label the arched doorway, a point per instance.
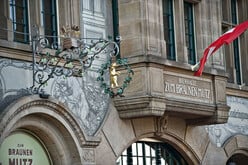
(238, 159)
(151, 152)
(48, 123)
(236, 150)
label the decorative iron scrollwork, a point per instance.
(72, 57)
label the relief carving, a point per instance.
(88, 156)
(161, 125)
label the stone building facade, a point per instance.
(167, 115)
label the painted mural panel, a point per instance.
(83, 96)
(237, 121)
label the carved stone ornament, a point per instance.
(161, 124)
(88, 156)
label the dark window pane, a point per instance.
(234, 11)
(237, 60)
(148, 153)
(49, 19)
(224, 11)
(169, 29)
(19, 16)
(232, 54)
(189, 32)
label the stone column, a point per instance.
(180, 32)
(141, 28)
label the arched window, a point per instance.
(148, 152)
(237, 159)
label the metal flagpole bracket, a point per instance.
(72, 57)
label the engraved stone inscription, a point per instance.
(188, 88)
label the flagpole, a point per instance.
(193, 68)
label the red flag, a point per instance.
(226, 38)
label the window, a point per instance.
(19, 17)
(169, 29)
(236, 43)
(232, 53)
(151, 153)
(116, 34)
(189, 32)
(49, 19)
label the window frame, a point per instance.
(115, 18)
(233, 53)
(53, 27)
(236, 51)
(190, 33)
(170, 44)
(24, 23)
(149, 152)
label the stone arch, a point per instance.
(185, 150)
(51, 122)
(236, 146)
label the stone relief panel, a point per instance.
(237, 122)
(88, 156)
(83, 96)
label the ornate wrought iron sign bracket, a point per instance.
(72, 57)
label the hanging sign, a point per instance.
(22, 149)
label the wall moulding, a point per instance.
(198, 100)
